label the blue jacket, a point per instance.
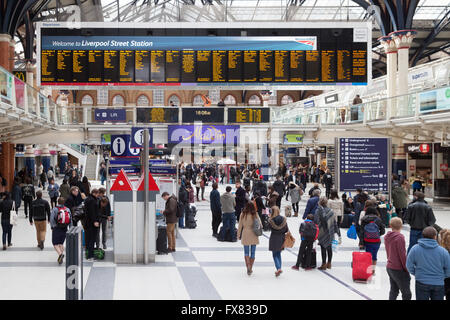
(311, 206)
(429, 262)
(214, 200)
(17, 195)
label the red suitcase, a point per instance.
(361, 266)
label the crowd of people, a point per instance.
(254, 205)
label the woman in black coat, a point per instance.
(5, 209)
(73, 201)
(278, 226)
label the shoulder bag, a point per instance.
(289, 240)
(257, 228)
(13, 215)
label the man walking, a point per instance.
(399, 277)
(419, 215)
(279, 187)
(170, 213)
(92, 222)
(216, 209)
(399, 197)
(240, 199)
(430, 264)
(228, 203)
(40, 212)
(28, 194)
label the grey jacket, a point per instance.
(228, 202)
(325, 219)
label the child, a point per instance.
(309, 232)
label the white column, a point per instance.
(403, 40)
(391, 67)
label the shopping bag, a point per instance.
(334, 245)
(351, 232)
(13, 216)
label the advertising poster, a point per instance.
(20, 93)
(293, 139)
(435, 100)
(6, 85)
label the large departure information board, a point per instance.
(316, 56)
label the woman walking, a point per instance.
(336, 205)
(53, 191)
(296, 193)
(17, 193)
(5, 209)
(325, 219)
(278, 226)
(60, 219)
(64, 189)
(246, 234)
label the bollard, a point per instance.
(74, 264)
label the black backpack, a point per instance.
(180, 209)
(311, 231)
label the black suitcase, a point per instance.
(313, 263)
(161, 241)
(346, 221)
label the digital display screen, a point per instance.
(249, 115)
(315, 56)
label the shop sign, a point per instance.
(417, 148)
(444, 166)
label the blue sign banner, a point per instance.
(363, 163)
(128, 170)
(129, 162)
(177, 43)
(207, 134)
(308, 104)
(162, 170)
(137, 137)
(121, 147)
(110, 115)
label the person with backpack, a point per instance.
(249, 229)
(60, 219)
(311, 205)
(228, 203)
(327, 222)
(296, 195)
(170, 213)
(6, 207)
(92, 222)
(75, 204)
(40, 215)
(399, 277)
(279, 228)
(53, 191)
(309, 231)
(28, 194)
(372, 229)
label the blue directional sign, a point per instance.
(110, 115)
(128, 170)
(121, 147)
(137, 137)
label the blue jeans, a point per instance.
(181, 219)
(414, 236)
(229, 221)
(102, 179)
(373, 249)
(252, 250)
(277, 259)
(429, 292)
(7, 231)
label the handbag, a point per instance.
(257, 228)
(289, 240)
(351, 232)
(13, 215)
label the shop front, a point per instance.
(420, 167)
(441, 176)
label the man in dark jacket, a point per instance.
(74, 201)
(183, 197)
(328, 181)
(279, 187)
(40, 212)
(216, 209)
(399, 198)
(240, 199)
(311, 205)
(92, 222)
(260, 187)
(419, 215)
(105, 216)
(170, 213)
(28, 194)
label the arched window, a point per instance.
(87, 100)
(118, 100)
(254, 100)
(286, 99)
(176, 101)
(198, 101)
(142, 100)
(230, 100)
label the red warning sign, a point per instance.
(152, 186)
(122, 183)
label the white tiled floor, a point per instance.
(215, 269)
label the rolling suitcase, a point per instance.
(346, 221)
(161, 241)
(313, 263)
(361, 266)
(288, 211)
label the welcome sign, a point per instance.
(207, 134)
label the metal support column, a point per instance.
(146, 195)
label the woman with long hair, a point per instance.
(278, 226)
(444, 241)
(336, 205)
(247, 235)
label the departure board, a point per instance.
(48, 65)
(157, 66)
(328, 65)
(297, 66)
(250, 66)
(219, 66)
(126, 66)
(95, 66)
(281, 65)
(173, 65)
(64, 66)
(110, 66)
(343, 65)
(204, 69)
(124, 56)
(266, 66)
(248, 115)
(188, 66)
(312, 66)
(235, 64)
(141, 66)
(80, 66)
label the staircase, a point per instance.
(91, 166)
